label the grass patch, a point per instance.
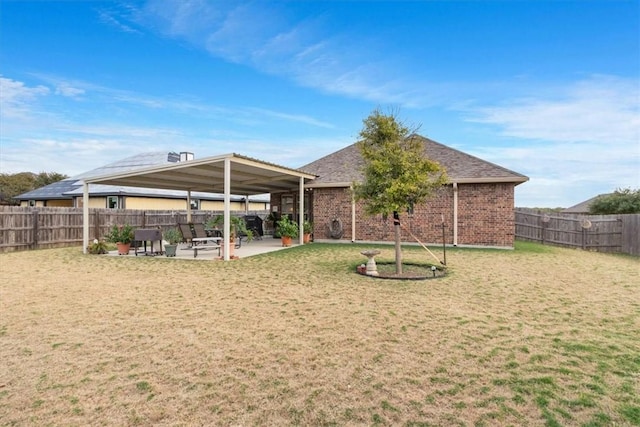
(295, 337)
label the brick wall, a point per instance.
(485, 216)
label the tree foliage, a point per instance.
(12, 185)
(397, 173)
(622, 201)
(46, 178)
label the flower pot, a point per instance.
(232, 247)
(286, 240)
(306, 237)
(123, 248)
(170, 250)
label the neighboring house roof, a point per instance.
(583, 207)
(61, 189)
(345, 166)
(72, 187)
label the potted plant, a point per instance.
(121, 235)
(269, 224)
(98, 247)
(238, 226)
(307, 228)
(287, 230)
(173, 236)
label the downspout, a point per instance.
(455, 214)
(353, 217)
(85, 217)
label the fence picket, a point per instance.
(606, 233)
(40, 228)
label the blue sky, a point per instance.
(549, 89)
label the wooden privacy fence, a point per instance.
(602, 233)
(24, 228)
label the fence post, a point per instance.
(96, 224)
(545, 221)
(34, 244)
(585, 224)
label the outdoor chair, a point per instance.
(199, 231)
(200, 239)
(187, 234)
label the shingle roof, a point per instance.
(583, 207)
(345, 166)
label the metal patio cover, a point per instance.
(248, 176)
(227, 174)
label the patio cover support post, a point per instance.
(85, 217)
(301, 211)
(455, 214)
(227, 203)
(353, 218)
(188, 205)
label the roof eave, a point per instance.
(491, 180)
(488, 180)
(204, 161)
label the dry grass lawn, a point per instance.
(535, 336)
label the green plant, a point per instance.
(98, 247)
(287, 228)
(307, 227)
(173, 236)
(272, 218)
(120, 234)
(238, 226)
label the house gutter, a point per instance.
(460, 180)
(455, 214)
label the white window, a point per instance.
(112, 202)
(287, 204)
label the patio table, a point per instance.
(204, 243)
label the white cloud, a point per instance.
(291, 117)
(66, 89)
(600, 109)
(264, 37)
(16, 99)
(564, 174)
(289, 153)
(579, 142)
(113, 19)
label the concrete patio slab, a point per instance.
(252, 248)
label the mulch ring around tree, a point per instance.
(410, 271)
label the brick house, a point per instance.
(476, 206)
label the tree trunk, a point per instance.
(396, 227)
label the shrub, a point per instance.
(120, 234)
